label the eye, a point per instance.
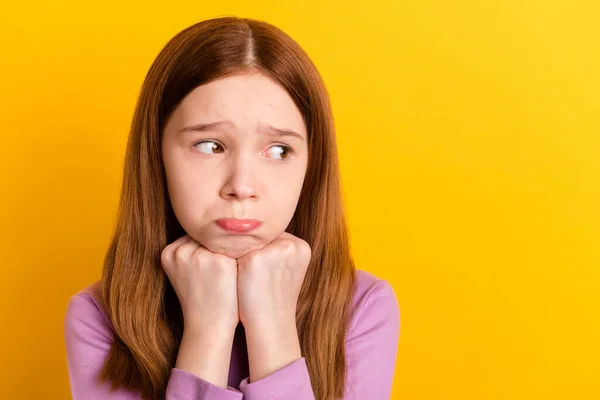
(284, 151)
(207, 146)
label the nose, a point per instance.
(241, 182)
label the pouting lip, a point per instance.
(234, 225)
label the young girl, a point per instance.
(229, 275)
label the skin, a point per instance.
(236, 169)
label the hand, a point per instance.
(205, 284)
(269, 282)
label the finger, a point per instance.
(287, 236)
(185, 250)
(169, 251)
(178, 242)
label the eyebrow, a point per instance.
(268, 129)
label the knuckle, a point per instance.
(199, 256)
(288, 246)
(306, 248)
(255, 258)
(179, 254)
(225, 261)
(164, 256)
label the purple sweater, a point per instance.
(371, 347)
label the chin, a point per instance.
(235, 247)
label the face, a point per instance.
(235, 149)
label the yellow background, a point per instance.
(469, 139)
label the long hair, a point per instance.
(137, 296)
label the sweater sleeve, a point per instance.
(291, 382)
(88, 337)
(371, 347)
(372, 344)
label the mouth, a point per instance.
(233, 225)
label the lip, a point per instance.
(234, 225)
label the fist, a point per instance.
(269, 282)
(205, 284)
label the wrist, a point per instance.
(270, 323)
(206, 354)
(207, 328)
(271, 348)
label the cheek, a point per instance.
(285, 194)
(188, 198)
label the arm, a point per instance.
(372, 344)
(206, 354)
(88, 338)
(371, 348)
(277, 369)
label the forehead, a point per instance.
(245, 99)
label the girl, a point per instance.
(229, 275)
